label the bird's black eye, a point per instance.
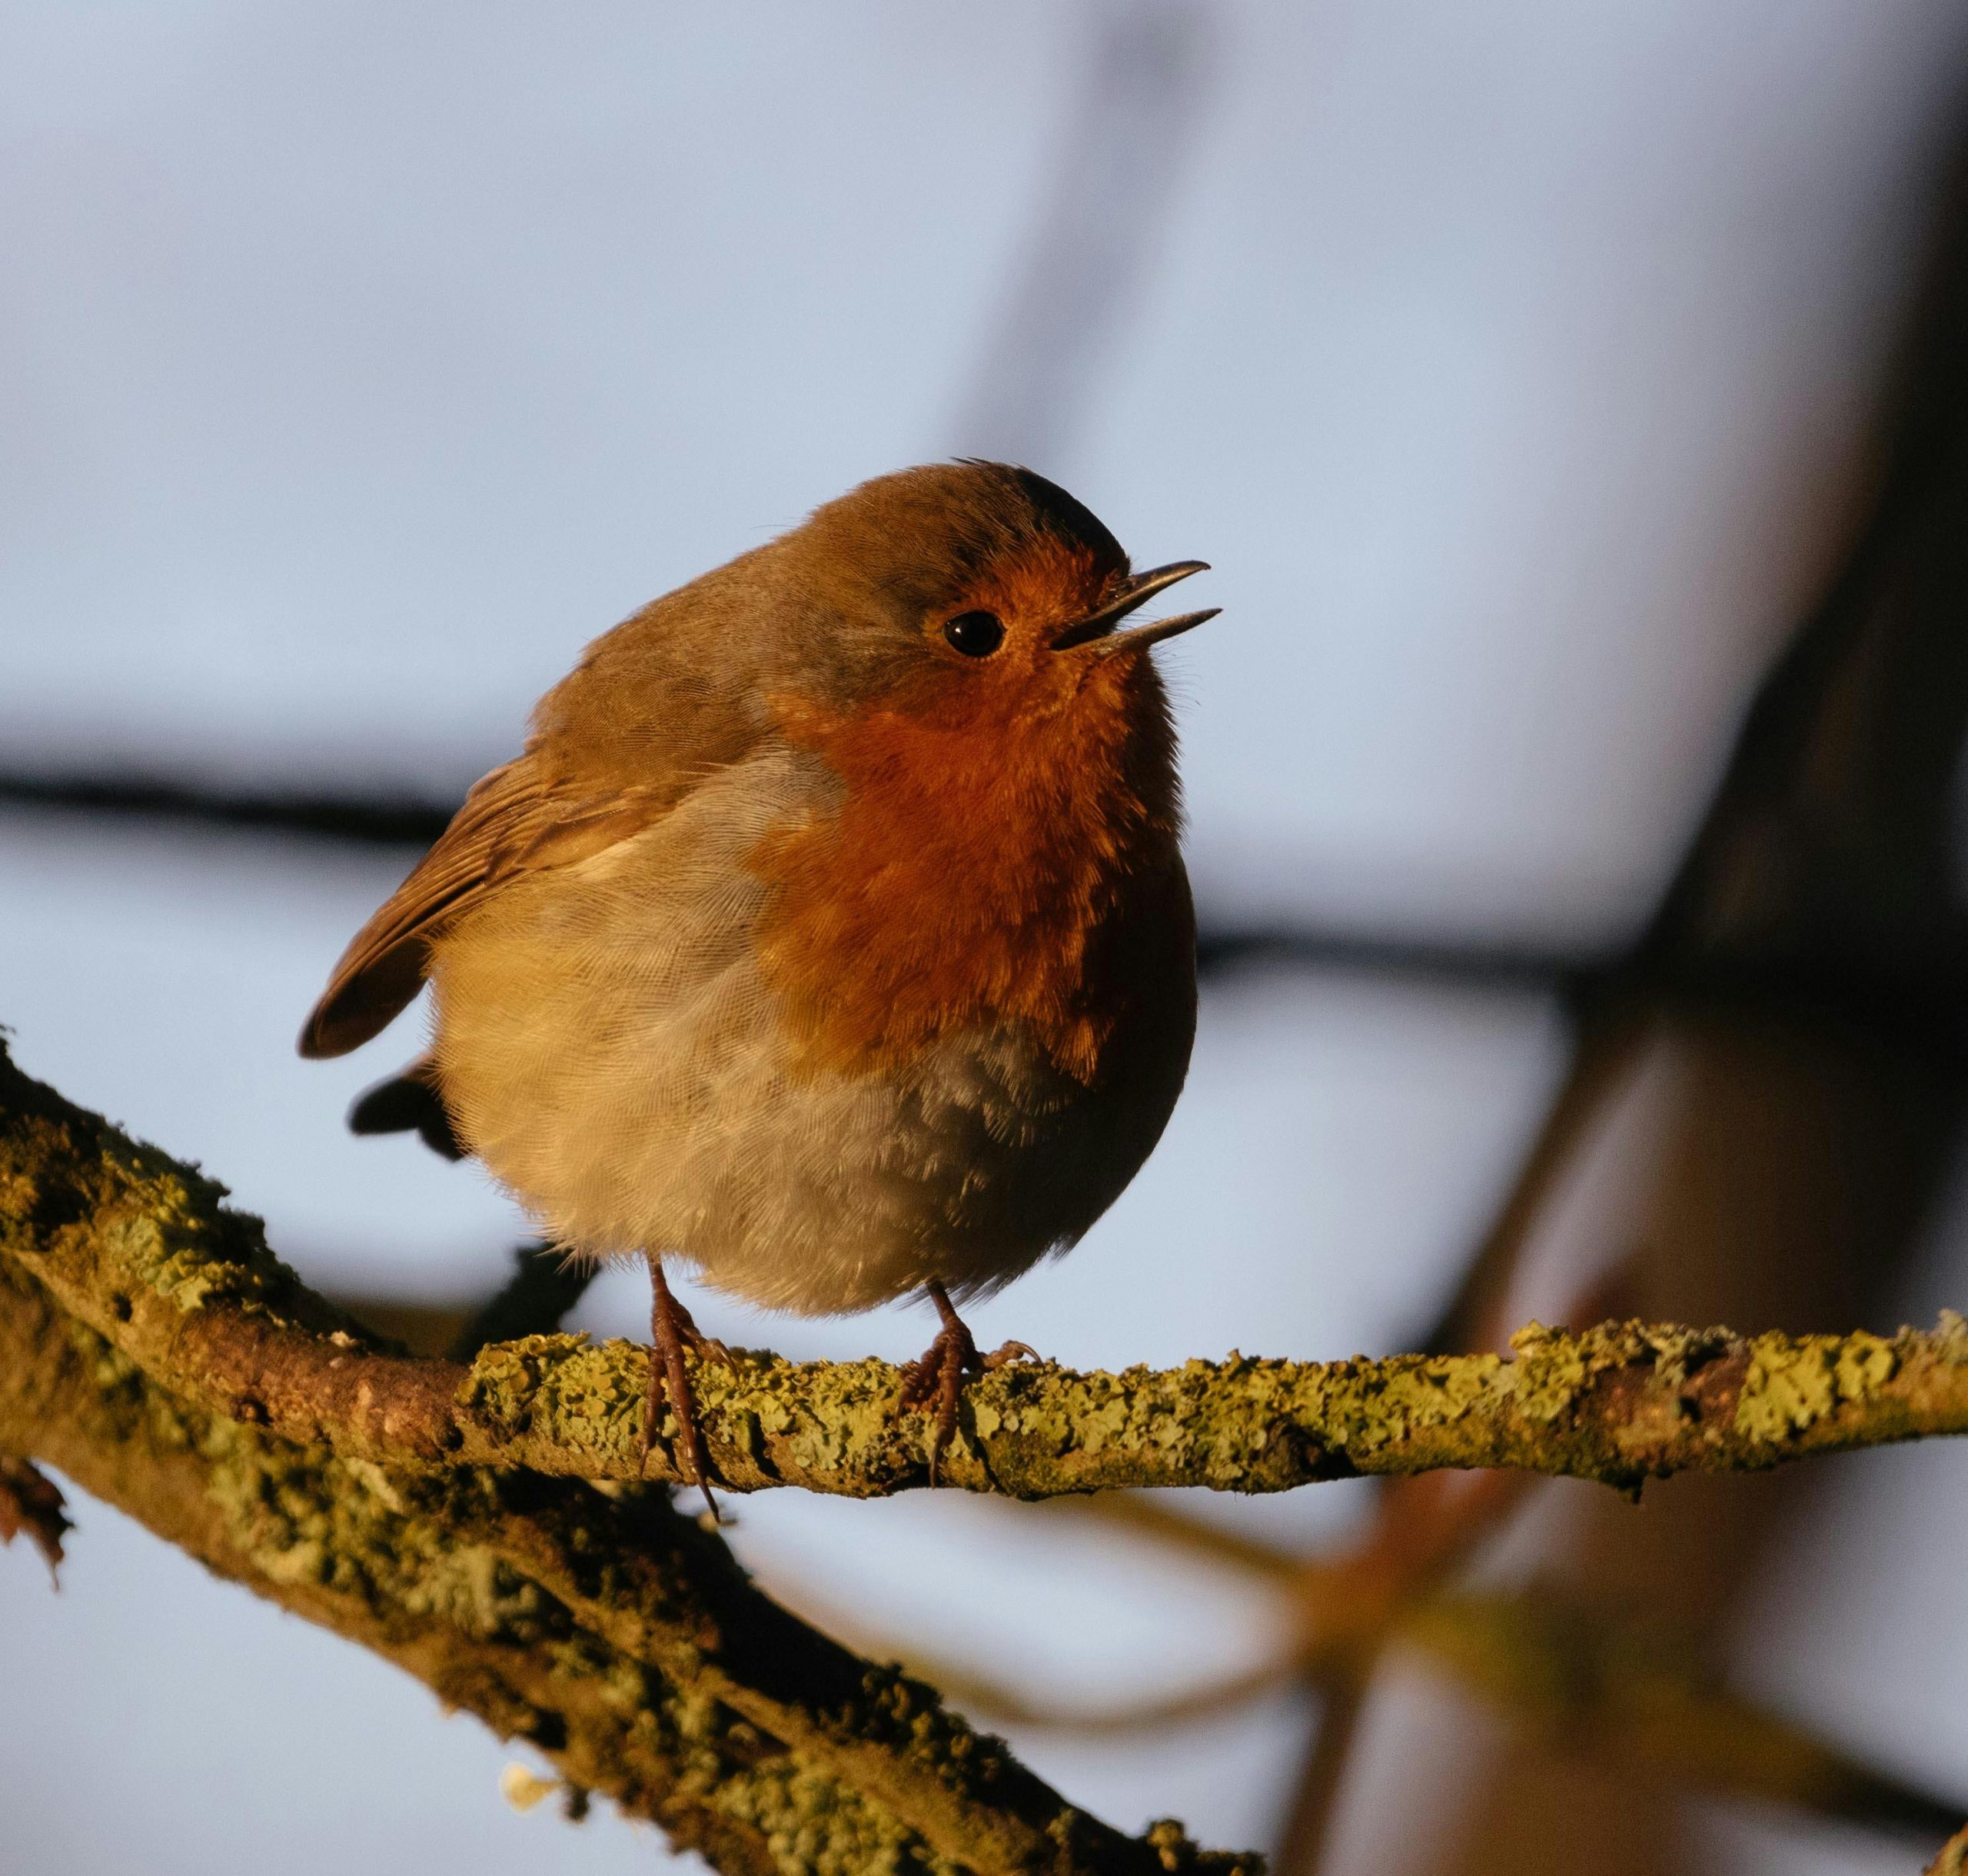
(975, 635)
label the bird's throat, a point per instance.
(1003, 865)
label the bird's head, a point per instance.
(971, 594)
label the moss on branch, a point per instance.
(1620, 1404)
(143, 1251)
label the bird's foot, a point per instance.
(671, 1332)
(937, 1379)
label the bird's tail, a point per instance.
(408, 1102)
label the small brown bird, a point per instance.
(831, 936)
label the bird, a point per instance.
(830, 936)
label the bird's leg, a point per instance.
(939, 1376)
(670, 1332)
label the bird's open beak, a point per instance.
(1098, 628)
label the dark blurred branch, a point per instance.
(544, 1285)
(1803, 975)
(1353, 1608)
(1144, 91)
(1821, 886)
(1634, 1697)
(1314, 1802)
(411, 824)
(1923, 1002)
(356, 819)
(1223, 947)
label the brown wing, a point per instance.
(513, 821)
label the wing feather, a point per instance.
(514, 821)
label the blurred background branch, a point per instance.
(1591, 1683)
(386, 822)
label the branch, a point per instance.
(142, 1250)
(622, 1642)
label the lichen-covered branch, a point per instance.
(142, 1250)
(335, 1542)
(622, 1642)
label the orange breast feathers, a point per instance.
(1001, 852)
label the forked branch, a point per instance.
(607, 1630)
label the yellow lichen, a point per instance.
(1787, 1386)
(1865, 1364)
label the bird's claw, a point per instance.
(1006, 1352)
(938, 1378)
(707, 1348)
(671, 1333)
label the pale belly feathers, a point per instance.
(607, 1045)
